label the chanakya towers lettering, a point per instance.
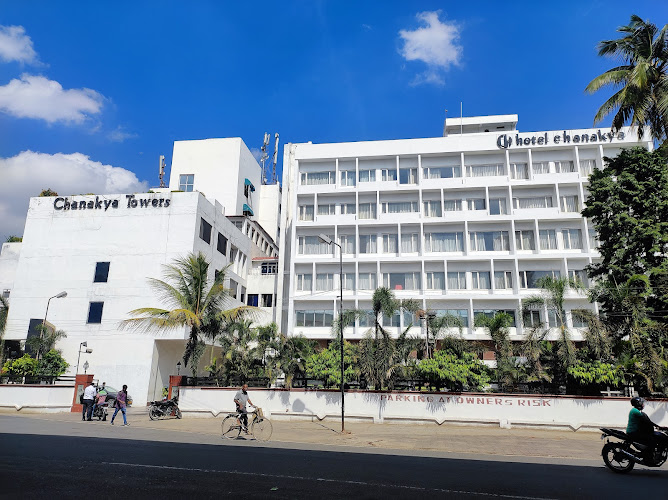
(65, 203)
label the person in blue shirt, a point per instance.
(640, 427)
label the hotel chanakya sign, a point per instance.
(507, 141)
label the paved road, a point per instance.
(40, 458)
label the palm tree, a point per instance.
(196, 303)
(553, 293)
(498, 329)
(643, 96)
(42, 344)
(291, 354)
(240, 350)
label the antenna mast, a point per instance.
(273, 168)
(162, 171)
(265, 156)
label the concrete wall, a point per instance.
(37, 398)
(472, 409)
(9, 261)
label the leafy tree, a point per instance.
(642, 98)
(325, 365)
(291, 353)
(240, 350)
(498, 329)
(24, 366)
(196, 303)
(596, 374)
(454, 372)
(52, 364)
(47, 192)
(14, 239)
(46, 341)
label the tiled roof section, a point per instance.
(265, 258)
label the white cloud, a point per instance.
(120, 134)
(434, 44)
(27, 173)
(40, 98)
(15, 45)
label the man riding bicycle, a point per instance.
(241, 399)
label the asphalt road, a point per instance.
(39, 458)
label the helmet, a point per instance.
(638, 402)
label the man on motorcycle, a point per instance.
(240, 399)
(641, 429)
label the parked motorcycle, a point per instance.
(164, 408)
(100, 411)
(622, 456)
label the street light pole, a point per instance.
(326, 239)
(58, 296)
(87, 351)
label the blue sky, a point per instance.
(91, 93)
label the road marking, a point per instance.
(342, 481)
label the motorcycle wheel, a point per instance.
(177, 413)
(615, 460)
(153, 413)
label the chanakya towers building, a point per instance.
(466, 223)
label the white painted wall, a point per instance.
(269, 214)
(37, 398)
(475, 409)
(9, 261)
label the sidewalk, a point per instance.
(444, 438)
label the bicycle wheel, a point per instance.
(261, 429)
(230, 428)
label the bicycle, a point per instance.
(259, 426)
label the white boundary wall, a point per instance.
(576, 413)
(37, 398)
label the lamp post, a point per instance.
(178, 368)
(87, 351)
(326, 239)
(58, 296)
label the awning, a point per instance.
(249, 183)
(248, 209)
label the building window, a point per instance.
(349, 281)
(587, 167)
(205, 231)
(221, 246)
(317, 178)
(444, 242)
(95, 312)
(324, 282)
(578, 318)
(485, 170)
(304, 282)
(390, 243)
(553, 319)
(367, 176)
(564, 167)
(368, 243)
(572, 239)
(399, 207)
(306, 212)
(503, 280)
(347, 242)
(529, 279)
(480, 280)
(489, 241)
(348, 178)
(326, 209)
(389, 174)
(519, 171)
(410, 243)
(314, 318)
(312, 245)
(367, 281)
(408, 176)
(269, 268)
(432, 208)
(497, 206)
(441, 172)
(267, 299)
(531, 319)
(524, 240)
(476, 204)
(253, 299)
(548, 239)
(402, 281)
(578, 275)
(569, 204)
(593, 239)
(459, 315)
(348, 209)
(367, 211)
(452, 205)
(5, 293)
(540, 167)
(101, 272)
(533, 202)
(186, 182)
(435, 280)
(456, 280)
(490, 313)
(366, 320)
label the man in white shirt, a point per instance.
(240, 399)
(89, 399)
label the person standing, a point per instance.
(89, 400)
(121, 403)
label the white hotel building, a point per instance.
(465, 223)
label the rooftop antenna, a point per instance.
(162, 171)
(265, 156)
(275, 158)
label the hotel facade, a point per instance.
(466, 224)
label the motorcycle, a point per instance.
(622, 456)
(164, 408)
(100, 411)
